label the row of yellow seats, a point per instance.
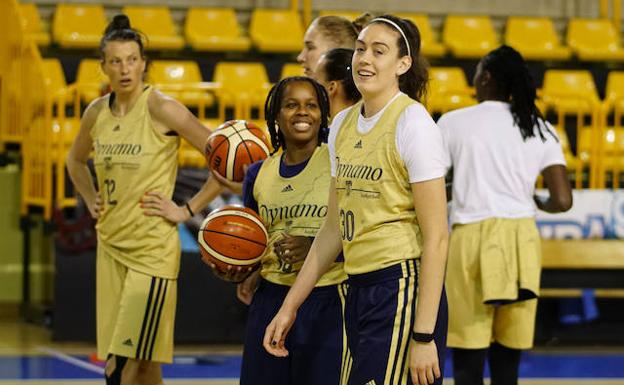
(181, 79)
(535, 37)
(564, 91)
(449, 87)
(205, 29)
(217, 29)
(572, 90)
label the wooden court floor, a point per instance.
(18, 339)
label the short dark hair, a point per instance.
(119, 30)
(338, 68)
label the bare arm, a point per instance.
(430, 206)
(323, 252)
(560, 192)
(173, 115)
(78, 156)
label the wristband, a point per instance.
(188, 207)
(422, 337)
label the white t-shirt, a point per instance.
(418, 139)
(494, 169)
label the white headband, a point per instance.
(395, 25)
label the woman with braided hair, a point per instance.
(497, 150)
(290, 192)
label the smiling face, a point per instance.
(124, 66)
(299, 117)
(376, 62)
(314, 45)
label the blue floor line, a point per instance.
(533, 365)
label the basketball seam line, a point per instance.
(234, 236)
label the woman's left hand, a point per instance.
(423, 362)
(155, 203)
(291, 249)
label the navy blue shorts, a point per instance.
(379, 315)
(316, 343)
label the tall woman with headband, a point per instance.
(387, 213)
(134, 133)
(497, 150)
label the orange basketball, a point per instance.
(234, 144)
(231, 237)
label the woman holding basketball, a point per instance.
(497, 150)
(387, 213)
(289, 191)
(134, 132)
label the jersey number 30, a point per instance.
(347, 224)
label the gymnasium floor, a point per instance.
(27, 356)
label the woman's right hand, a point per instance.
(235, 187)
(275, 334)
(96, 208)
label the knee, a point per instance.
(114, 368)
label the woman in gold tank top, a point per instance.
(134, 134)
(387, 213)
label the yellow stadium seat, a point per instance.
(166, 73)
(429, 46)
(291, 69)
(157, 24)
(78, 26)
(276, 31)
(612, 150)
(54, 76)
(189, 156)
(571, 91)
(243, 86)
(535, 38)
(90, 80)
(469, 36)
(351, 15)
(33, 27)
(614, 94)
(594, 40)
(448, 90)
(214, 29)
(615, 85)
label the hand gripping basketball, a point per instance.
(232, 240)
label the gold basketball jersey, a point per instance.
(377, 218)
(132, 158)
(297, 206)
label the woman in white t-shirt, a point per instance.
(497, 150)
(387, 213)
